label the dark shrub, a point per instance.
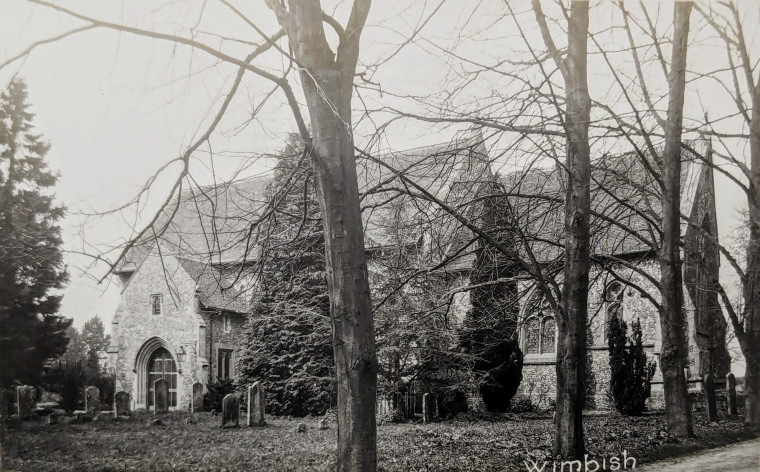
(503, 364)
(212, 400)
(631, 373)
(521, 404)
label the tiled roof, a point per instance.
(210, 230)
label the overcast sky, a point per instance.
(115, 107)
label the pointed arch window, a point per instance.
(613, 304)
(539, 329)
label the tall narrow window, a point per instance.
(202, 341)
(226, 323)
(225, 364)
(613, 300)
(155, 304)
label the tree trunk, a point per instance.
(751, 342)
(571, 346)
(673, 357)
(348, 287)
(327, 80)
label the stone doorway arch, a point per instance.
(156, 359)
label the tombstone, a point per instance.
(161, 396)
(197, 397)
(92, 401)
(323, 423)
(427, 408)
(255, 404)
(301, 427)
(731, 393)
(52, 418)
(121, 403)
(230, 410)
(25, 401)
(708, 385)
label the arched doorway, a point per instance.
(156, 359)
(161, 365)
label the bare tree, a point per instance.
(673, 356)
(571, 323)
(744, 316)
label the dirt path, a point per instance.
(740, 457)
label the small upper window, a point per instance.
(155, 304)
(227, 323)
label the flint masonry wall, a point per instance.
(539, 372)
(177, 326)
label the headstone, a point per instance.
(197, 397)
(161, 396)
(155, 422)
(25, 401)
(323, 423)
(708, 384)
(301, 427)
(52, 418)
(230, 410)
(427, 408)
(255, 404)
(731, 393)
(121, 404)
(92, 401)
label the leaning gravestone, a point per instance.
(255, 405)
(708, 385)
(731, 391)
(92, 401)
(121, 404)
(161, 396)
(25, 401)
(230, 410)
(427, 408)
(197, 397)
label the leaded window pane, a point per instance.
(531, 335)
(548, 335)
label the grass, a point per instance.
(499, 444)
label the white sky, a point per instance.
(116, 107)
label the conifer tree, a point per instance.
(31, 260)
(287, 338)
(631, 373)
(489, 332)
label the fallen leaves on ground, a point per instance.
(134, 445)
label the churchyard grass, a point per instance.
(496, 444)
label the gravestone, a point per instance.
(731, 393)
(197, 397)
(25, 401)
(301, 427)
(427, 408)
(255, 404)
(230, 410)
(161, 396)
(121, 404)
(92, 401)
(708, 385)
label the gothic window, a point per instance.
(225, 364)
(540, 330)
(613, 305)
(155, 304)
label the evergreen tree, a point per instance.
(31, 261)
(287, 338)
(489, 332)
(631, 373)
